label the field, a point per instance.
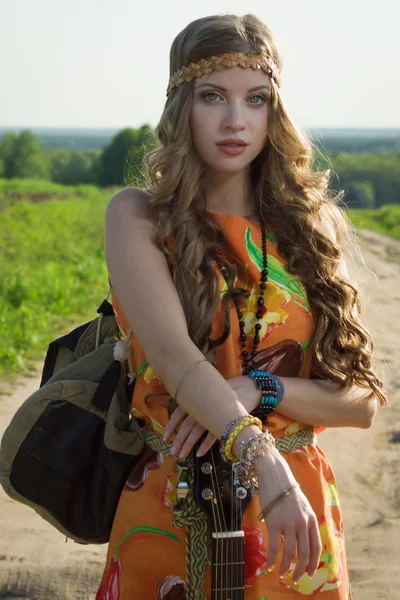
(52, 269)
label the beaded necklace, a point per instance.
(249, 357)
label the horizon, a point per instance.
(83, 128)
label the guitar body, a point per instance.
(224, 500)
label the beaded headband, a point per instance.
(223, 61)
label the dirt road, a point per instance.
(37, 564)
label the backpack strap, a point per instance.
(105, 309)
(122, 353)
(70, 341)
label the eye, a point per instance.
(262, 98)
(210, 94)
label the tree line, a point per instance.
(21, 156)
(369, 179)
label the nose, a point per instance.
(234, 118)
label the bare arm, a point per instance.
(315, 402)
(322, 403)
(140, 275)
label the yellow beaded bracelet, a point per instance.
(235, 432)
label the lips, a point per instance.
(232, 142)
(232, 149)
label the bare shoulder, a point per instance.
(131, 204)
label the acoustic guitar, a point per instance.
(220, 495)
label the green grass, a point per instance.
(385, 219)
(29, 186)
(52, 270)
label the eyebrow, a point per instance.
(222, 89)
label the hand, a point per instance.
(190, 431)
(188, 435)
(293, 520)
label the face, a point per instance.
(233, 103)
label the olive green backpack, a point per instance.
(69, 448)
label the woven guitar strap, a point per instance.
(186, 513)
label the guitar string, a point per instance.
(214, 507)
(239, 566)
(238, 552)
(218, 498)
(234, 503)
(214, 568)
(230, 542)
(241, 557)
(217, 544)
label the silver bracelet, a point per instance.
(230, 425)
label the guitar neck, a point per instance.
(224, 500)
(227, 566)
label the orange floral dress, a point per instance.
(147, 555)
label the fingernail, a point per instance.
(199, 453)
(182, 455)
(172, 450)
(284, 575)
(165, 437)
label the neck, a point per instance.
(230, 194)
(227, 566)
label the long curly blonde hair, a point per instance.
(293, 198)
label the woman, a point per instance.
(234, 255)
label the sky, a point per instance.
(104, 63)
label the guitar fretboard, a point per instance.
(227, 566)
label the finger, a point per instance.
(177, 417)
(315, 548)
(289, 551)
(182, 434)
(303, 553)
(274, 545)
(206, 445)
(191, 440)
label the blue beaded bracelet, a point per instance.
(271, 386)
(279, 387)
